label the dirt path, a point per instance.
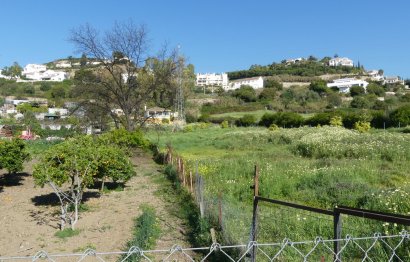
(29, 216)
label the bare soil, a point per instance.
(29, 215)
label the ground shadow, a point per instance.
(51, 199)
(111, 186)
(12, 179)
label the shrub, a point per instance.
(165, 121)
(336, 121)
(273, 127)
(362, 126)
(319, 119)
(282, 119)
(401, 116)
(126, 139)
(225, 124)
(190, 118)
(246, 120)
(357, 90)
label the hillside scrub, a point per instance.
(13, 154)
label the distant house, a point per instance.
(341, 61)
(212, 80)
(254, 82)
(62, 112)
(63, 64)
(158, 114)
(375, 75)
(294, 61)
(35, 72)
(345, 84)
(393, 80)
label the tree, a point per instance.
(267, 94)
(360, 102)
(12, 155)
(72, 166)
(245, 93)
(334, 100)
(401, 116)
(83, 60)
(128, 85)
(376, 89)
(271, 83)
(357, 90)
(319, 86)
(14, 70)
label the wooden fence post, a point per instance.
(337, 234)
(190, 178)
(220, 210)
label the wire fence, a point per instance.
(372, 248)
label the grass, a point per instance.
(257, 113)
(145, 233)
(68, 232)
(320, 167)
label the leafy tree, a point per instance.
(360, 102)
(57, 92)
(376, 89)
(401, 116)
(45, 86)
(14, 71)
(271, 83)
(13, 154)
(245, 93)
(246, 120)
(72, 166)
(128, 85)
(319, 86)
(356, 90)
(334, 100)
(267, 94)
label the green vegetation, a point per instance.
(316, 166)
(145, 233)
(78, 163)
(304, 68)
(68, 232)
(13, 154)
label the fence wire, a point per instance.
(373, 248)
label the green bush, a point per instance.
(336, 121)
(126, 139)
(225, 124)
(246, 120)
(282, 119)
(362, 126)
(13, 154)
(401, 116)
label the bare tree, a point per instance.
(127, 76)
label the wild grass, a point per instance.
(316, 166)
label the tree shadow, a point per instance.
(111, 186)
(51, 199)
(12, 179)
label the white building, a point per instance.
(375, 75)
(345, 84)
(294, 61)
(37, 72)
(63, 64)
(254, 82)
(341, 61)
(393, 80)
(58, 111)
(212, 80)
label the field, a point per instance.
(316, 166)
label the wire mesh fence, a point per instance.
(371, 248)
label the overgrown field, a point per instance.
(316, 166)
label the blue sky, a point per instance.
(219, 36)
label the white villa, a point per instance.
(345, 84)
(341, 61)
(63, 64)
(393, 80)
(294, 61)
(37, 72)
(212, 80)
(254, 82)
(375, 75)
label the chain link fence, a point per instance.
(372, 248)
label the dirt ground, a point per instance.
(29, 215)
